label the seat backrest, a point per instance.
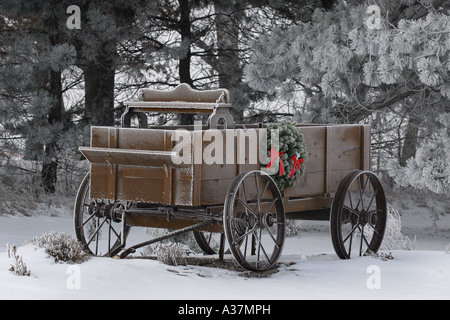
(184, 93)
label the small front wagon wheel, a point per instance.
(358, 215)
(98, 223)
(254, 220)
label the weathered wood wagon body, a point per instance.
(217, 183)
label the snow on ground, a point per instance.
(308, 269)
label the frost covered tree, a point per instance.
(430, 168)
(31, 73)
(346, 68)
(43, 60)
(110, 41)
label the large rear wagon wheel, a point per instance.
(254, 220)
(358, 215)
(98, 223)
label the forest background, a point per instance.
(67, 65)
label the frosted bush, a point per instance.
(19, 268)
(394, 239)
(293, 227)
(173, 254)
(186, 239)
(61, 246)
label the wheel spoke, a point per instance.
(351, 233)
(361, 192)
(246, 206)
(264, 190)
(114, 230)
(260, 246)
(258, 197)
(373, 228)
(96, 232)
(246, 244)
(88, 219)
(209, 238)
(109, 239)
(350, 198)
(272, 236)
(375, 191)
(364, 237)
(273, 202)
(247, 232)
(356, 213)
(350, 244)
(361, 242)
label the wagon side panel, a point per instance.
(240, 154)
(333, 152)
(133, 179)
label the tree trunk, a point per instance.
(49, 172)
(411, 138)
(50, 162)
(184, 69)
(229, 63)
(99, 77)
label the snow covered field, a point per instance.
(308, 269)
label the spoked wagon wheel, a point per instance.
(98, 223)
(358, 215)
(207, 241)
(254, 220)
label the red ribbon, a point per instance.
(297, 164)
(273, 156)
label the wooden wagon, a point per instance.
(138, 177)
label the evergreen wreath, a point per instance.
(291, 152)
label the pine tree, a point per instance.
(38, 69)
(33, 68)
(107, 29)
(347, 71)
(430, 168)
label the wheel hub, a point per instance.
(366, 217)
(112, 211)
(250, 221)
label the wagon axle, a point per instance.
(110, 211)
(360, 217)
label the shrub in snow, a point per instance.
(293, 227)
(173, 254)
(19, 268)
(394, 239)
(61, 246)
(186, 239)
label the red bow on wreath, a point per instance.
(297, 164)
(273, 156)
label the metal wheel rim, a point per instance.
(244, 230)
(206, 242)
(358, 215)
